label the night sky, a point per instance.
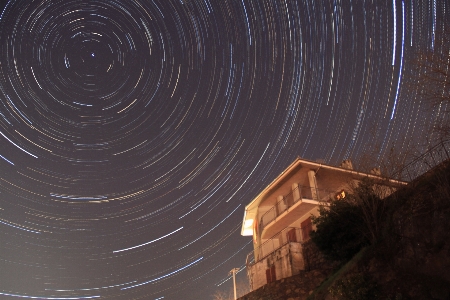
(133, 133)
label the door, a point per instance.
(291, 236)
(306, 229)
(270, 274)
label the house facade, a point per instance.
(279, 218)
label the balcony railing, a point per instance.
(287, 235)
(297, 194)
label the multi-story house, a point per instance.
(279, 218)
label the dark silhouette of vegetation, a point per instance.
(409, 255)
(346, 226)
(337, 233)
(355, 287)
(432, 80)
(242, 288)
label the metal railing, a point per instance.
(280, 239)
(297, 194)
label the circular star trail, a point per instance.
(133, 133)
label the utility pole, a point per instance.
(234, 280)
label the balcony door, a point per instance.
(291, 236)
(270, 274)
(306, 227)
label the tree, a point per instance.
(242, 288)
(434, 82)
(337, 233)
(221, 295)
(347, 225)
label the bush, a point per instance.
(338, 231)
(355, 287)
(347, 225)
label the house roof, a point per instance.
(301, 166)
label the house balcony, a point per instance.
(279, 240)
(281, 256)
(292, 207)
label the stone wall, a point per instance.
(297, 287)
(313, 258)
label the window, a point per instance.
(306, 227)
(270, 274)
(340, 195)
(291, 236)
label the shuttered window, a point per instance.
(270, 274)
(291, 236)
(306, 229)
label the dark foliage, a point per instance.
(432, 81)
(355, 287)
(338, 234)
(349, 224)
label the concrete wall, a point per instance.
(297, 260)
(289, 260)
(269, 247)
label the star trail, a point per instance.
(133, 133)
